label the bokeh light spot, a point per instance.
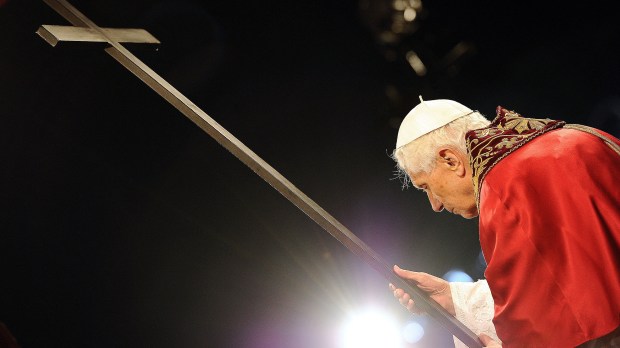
(413, 332)
(457, 275)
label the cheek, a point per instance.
(470, 214)
(453, 194)
(468, 200)
(443, 189)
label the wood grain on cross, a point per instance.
(85, 30)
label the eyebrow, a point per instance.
(413, 184)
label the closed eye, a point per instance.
(422, 188)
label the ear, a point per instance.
(453, 160)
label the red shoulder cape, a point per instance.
(550, 233)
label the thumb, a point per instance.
(405, 274)
(399, 271)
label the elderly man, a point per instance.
(548, 202)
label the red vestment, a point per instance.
(549, 230)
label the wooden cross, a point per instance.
(85, 30)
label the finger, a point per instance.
(404, 300)
(399, 292)
(401, 295)
(411, 306)
(407, 302)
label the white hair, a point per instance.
(419, 156)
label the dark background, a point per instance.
(124, 225)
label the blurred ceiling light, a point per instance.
(458, 51)
(389, 37)
(416, 4)
(400, 17)
(416, 63)
(370, 328)
(410, 14)
(400, 5)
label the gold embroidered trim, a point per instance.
(508, 132)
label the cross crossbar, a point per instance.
(53, 34)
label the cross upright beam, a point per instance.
(258, 165)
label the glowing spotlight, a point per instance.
(370, 328)
(456, 275)
(413, 332)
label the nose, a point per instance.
(435, 203)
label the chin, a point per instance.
(470, 214)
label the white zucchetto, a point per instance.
(428, 116)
